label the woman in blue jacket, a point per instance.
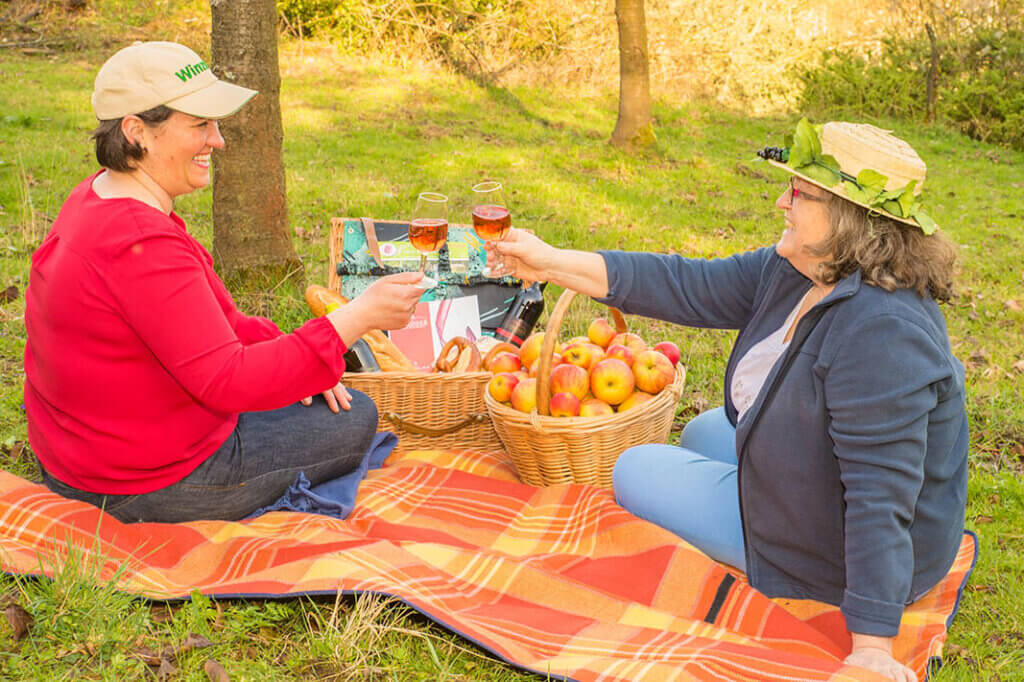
(837, 468)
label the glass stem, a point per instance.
(423, 262)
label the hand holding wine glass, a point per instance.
(428, 230)
(491, 217)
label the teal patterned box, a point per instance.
(372, 248)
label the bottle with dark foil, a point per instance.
(522, 315)
(359, 358)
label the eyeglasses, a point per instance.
(795, 192)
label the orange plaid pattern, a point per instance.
(558, 580)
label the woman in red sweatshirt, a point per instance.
(147, 392)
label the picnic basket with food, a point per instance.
(582, 403)
(438, 409)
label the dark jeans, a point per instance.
(254, 466)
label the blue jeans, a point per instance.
(254, 466)
(690, 490)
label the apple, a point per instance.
(521, 374)
(577, 339)
(653, 371)
(564, 405)
(579, 354)
(617, 350)
(500, 386)
(495, 350)
(592, 407)
(669, 350)
(524, 395)
(601, 332)
(632, 341)
(506, 362)
(612, 381)
(530, 350)
(556, 359)
(572, 379)
(597, 352)
(638, 398)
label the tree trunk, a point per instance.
(251, 243)
(633, 128)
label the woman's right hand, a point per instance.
(388, 303)
(521, 254)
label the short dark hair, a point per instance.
(113, 150)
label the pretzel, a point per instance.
(496, 350)
(446, 364)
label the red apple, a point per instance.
(601, 332)
(669, 350)
(506, 362)
(592, 407)
(597, 353)
(556, 359)
(612, 381)
(653, 371)
(638, 398)
(500, 386)
(580, 354)
(524, 395)
(617, 350)
(564, 405)
(570, 379)
(632, 341)
(530, 350)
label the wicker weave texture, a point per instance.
(430, 411)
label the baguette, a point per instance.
(322, 300)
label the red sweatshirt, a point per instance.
(137, 362)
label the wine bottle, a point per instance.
(522, 315)
(359, 358)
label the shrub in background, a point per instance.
(980, 85)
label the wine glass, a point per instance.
(428, 229)
(491, 219)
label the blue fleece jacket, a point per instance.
(853, 458)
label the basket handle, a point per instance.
(547, 349)
(402, 423)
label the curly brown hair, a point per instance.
(889, 254)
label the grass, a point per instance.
(363, 138)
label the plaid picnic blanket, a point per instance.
(560, 581)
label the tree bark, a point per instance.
(251, 242)
(633, 127)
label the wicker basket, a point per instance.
(550, 450)
(426, 411)
(430, 411)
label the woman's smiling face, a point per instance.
(178, 152)
(807, 224)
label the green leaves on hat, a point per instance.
(868, 188)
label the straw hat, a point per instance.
(863, 164)
(146, 75)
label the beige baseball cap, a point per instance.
(146, 75)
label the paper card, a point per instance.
(433, 324)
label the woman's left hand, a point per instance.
(875, 654)
(336, 397)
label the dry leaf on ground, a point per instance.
(9, 294)
(20, 621)
(215, 671)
